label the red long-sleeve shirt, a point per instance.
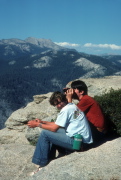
(92, 111)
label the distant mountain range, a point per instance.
(36, 66)
(14, 48)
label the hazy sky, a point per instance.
(90, 26)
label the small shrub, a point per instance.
(111, 105)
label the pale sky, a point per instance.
(90, 26)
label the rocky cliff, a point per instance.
(102, 162)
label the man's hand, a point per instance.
(34, 123)
(69, 94)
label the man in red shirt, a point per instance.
(90, 107)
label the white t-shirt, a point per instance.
(74, 121)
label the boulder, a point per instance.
(37, 109)
(16, 123)
(100, 163)
(96, 86)
(15, 161)
(9, 136)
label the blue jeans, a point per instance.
(46, 140)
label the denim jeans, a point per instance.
(46, 140)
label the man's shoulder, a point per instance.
(70, 106)
(87, 98)
(86, 101)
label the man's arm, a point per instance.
(51, 126)
(43, 124)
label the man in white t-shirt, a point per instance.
(70, 121)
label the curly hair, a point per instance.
(57, 96)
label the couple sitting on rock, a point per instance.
(85, 118)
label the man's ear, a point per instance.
(81, 92)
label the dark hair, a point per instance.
(55, 96)
(80, 85)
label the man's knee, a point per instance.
(43, 132)
(46, 132)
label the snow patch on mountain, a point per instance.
(44, 61)
(12, 62)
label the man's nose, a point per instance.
(58, 105)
